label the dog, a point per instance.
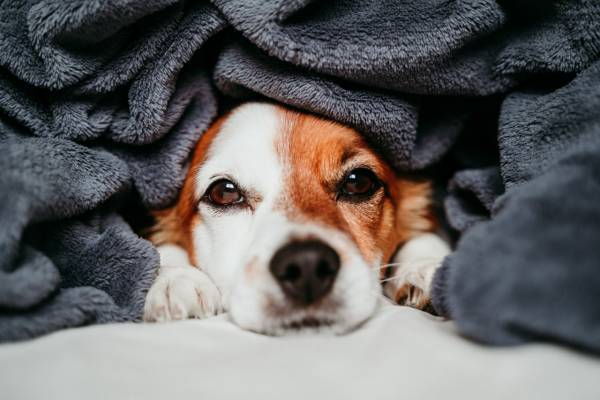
(290, 221)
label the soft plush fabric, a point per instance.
(535, 266)
(102, 101)
(400, 353)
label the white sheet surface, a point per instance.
(399, 354)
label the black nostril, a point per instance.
(305, 270)
(324, 270)
(291, 273)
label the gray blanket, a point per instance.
(101, 103)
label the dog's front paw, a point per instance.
(180, 293)
(413, 270)
(410, 284)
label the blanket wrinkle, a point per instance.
(342, 39)
(101, 103)
(471, 196)
(389, 120)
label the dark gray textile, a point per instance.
(533, 271)
(102, 101)
(471, 196)
(389, 119)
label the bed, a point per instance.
(400, 353)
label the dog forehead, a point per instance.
(245, 147)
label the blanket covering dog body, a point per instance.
(101, 103)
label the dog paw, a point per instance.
(181, 293)
(410, 285)
(413, 269)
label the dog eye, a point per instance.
(359, 182)
(224, 193)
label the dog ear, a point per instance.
(414, 214)
(174, 224)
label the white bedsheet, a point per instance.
(399, 354)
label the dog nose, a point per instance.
(305, 270)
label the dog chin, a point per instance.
(306, 326)
(305, 322)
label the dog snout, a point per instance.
(305, 270)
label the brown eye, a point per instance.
(359, 182)
(224, 193)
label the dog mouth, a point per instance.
(288, 317)
(307, 323)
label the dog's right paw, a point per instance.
(181, 293)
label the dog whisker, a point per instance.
(390, 279)
(399, 264)
(417, 264)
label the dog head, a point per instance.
(292, 215)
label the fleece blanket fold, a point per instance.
(102, 101)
